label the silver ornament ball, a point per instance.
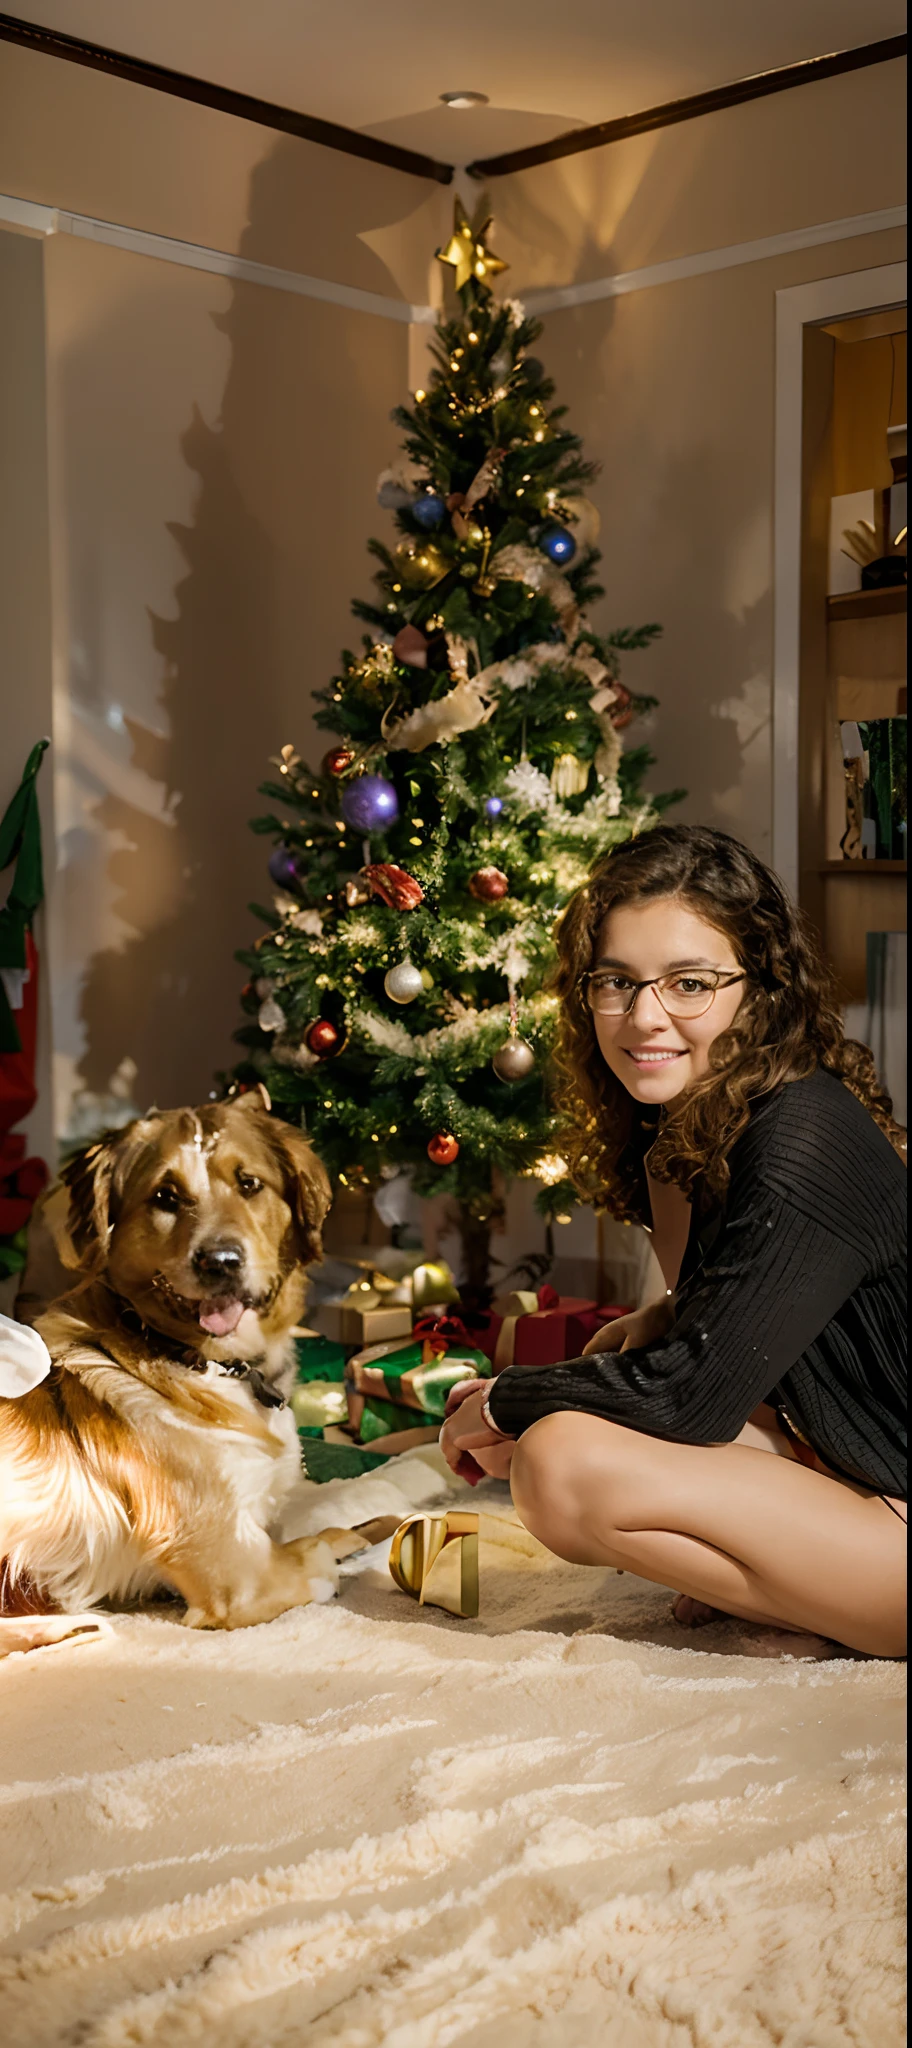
(514, 1060)
(403, 982)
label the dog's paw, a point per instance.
(199, 1617)
(343, 1542)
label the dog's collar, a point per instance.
(183, 1354)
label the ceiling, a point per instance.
(546, 65)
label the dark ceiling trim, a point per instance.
(351, 142)
(807, 72)
(30, 36)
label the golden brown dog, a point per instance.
(160, 1449)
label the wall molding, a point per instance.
(554, 298)
(51, 220)
(800, 306)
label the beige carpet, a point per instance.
(378, 1827)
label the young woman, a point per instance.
(710, 1094)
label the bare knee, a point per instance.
(562, 1477)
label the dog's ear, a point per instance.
(253, 1100)
(94, 1179)
(307, 1187)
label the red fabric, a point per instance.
(21, 1179)
(18, 1093)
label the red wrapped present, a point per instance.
(546, 1328)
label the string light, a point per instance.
(420, 397)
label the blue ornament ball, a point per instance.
(558, 545)
(493, 806)
(283, 867)
(370, 804)
(428, 509)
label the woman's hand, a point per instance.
(643, 1326)
(465, 1430)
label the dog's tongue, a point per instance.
(221, 1317)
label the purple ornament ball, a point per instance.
(493, 806)
(370, 804)
(428, 509)
(283, 867)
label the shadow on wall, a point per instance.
(274, 554)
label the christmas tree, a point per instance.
(398, 1005)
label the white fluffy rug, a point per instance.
(374, 1826)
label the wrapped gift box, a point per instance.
(546, 1328)
(317, 1358)
(415, 1377)
(318, 1404)
(378, 1307)
(364, 1318)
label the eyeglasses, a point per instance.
(611, 994)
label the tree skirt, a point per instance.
(376, 1826)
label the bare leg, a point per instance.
(497, 1461)
(761, 1537)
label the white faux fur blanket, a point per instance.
(565, 1825)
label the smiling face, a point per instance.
(657, 1056)
(208, 1218)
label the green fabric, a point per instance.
(20, 841)
(324, 1461)
(319, 1359)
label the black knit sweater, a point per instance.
(792, 1292)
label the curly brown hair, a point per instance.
(789, 1021)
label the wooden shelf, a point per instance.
(863, 867)
(867, 604)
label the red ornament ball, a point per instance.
(488, 885)
(323, 1038)
(443, 1149)
(338, 760)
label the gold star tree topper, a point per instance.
(466, 252)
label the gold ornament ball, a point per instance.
(432, 1285)
(514, 1060)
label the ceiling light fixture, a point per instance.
(464, 99)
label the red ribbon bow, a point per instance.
(440, 1331)
(548, 1297)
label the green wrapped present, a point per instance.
(412, 1377)
(318, 1358)
(383, 1418)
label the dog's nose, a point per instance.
(219, 1261)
